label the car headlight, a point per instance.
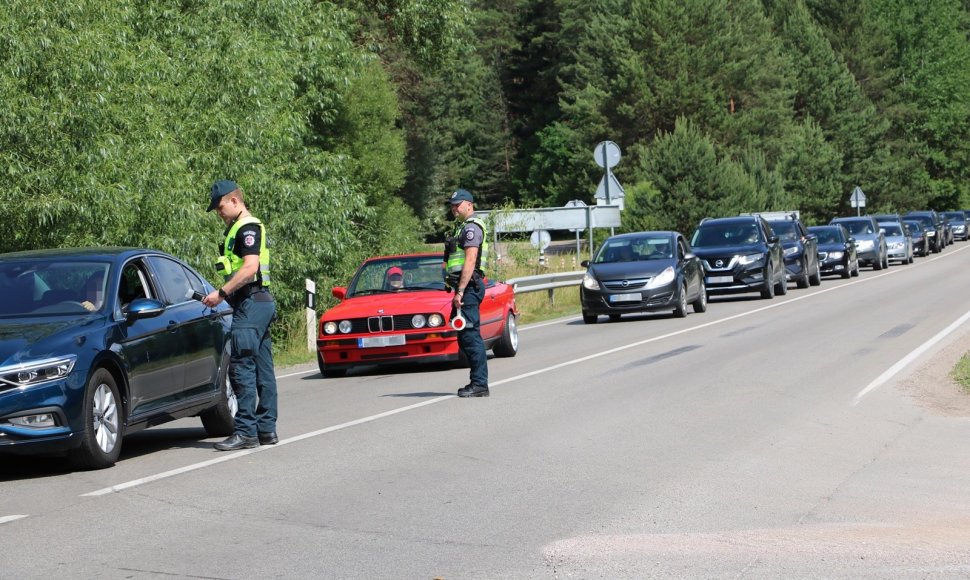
(344, 326)
(436, 320)
(750, 259)
(836, 255)
(930, 234)
(864, 244)
(329, 327)
(590, 282)
(792, 251)
(37, 372)
(663, 278)
(418, 321)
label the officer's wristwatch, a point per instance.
(222, 294)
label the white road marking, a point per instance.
(230, 456)
(5, 519)
(913, 355)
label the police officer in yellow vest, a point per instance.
(465, 252)
(245, 265)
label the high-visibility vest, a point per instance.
(456, 259)
(229, 263)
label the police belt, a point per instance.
(248, 290)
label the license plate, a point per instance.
(626, 297)
(378, 341)
(720, 279)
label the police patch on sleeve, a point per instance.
(249, 240)
(469, 235)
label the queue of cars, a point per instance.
(755, 252)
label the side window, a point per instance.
(681, 248)
(174, 280)
(134, 284)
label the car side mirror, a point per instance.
(143, 308)
(851, 240)
(689, 256)
(772, 239)
(339, 292)
(584, 263)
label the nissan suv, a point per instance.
(740, 254)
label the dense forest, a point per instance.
(347, 123)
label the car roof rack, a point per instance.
(774, 216)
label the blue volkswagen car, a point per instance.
(98, 343)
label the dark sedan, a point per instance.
(836, 251)
(921, 244)
(98, 343)
(642, 272)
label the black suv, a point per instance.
(800, 247)
(740, 254)
(933, 226)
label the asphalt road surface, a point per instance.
(762, 439)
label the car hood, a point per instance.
(730, 250)
(391, 304)
(644, 269)
(25, 339)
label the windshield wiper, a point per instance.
(372, 291)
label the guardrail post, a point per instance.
(552, 296)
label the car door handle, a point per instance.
(172, 326)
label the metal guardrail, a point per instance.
(548, 282)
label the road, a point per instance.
(775, 438)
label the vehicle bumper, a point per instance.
(869, 257)
(899, 254)
(793, 267)
(636, 300)
(62, 399)
(735, 283)
(834, 266)
(345, 352)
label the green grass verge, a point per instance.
(961, 372)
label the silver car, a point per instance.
(899, 242)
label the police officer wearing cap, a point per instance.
(245, 264)
(465, 251)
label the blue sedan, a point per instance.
(101, 342)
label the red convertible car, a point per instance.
(396, 310)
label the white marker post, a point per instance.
(311, 315)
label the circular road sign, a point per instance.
(607, 154)
(540, 239)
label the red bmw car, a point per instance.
(396, 310)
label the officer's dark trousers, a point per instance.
(470, 339)
(251, 371)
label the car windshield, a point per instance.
(785, 230)
(731, 234)
(955, 216)
(828, 235)
(914, 227)
(891, 229)
(632, 249)
(859, 227)
(51, 288)
(399, 274)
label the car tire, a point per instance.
(803, 282)
(589, 318)
(816, 278)
(508, 344)
(326, 372)
(855, 272)
(885, 261)
(680, 310)
(768, 292)
(782, 287)
(219, 420)
(847, 273)
(700, 305)
(101, 433)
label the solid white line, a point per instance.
(238, 454)
(297, 373)
(913, 355)
(5, 519)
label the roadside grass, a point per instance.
(517, 260)
(961, 372)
